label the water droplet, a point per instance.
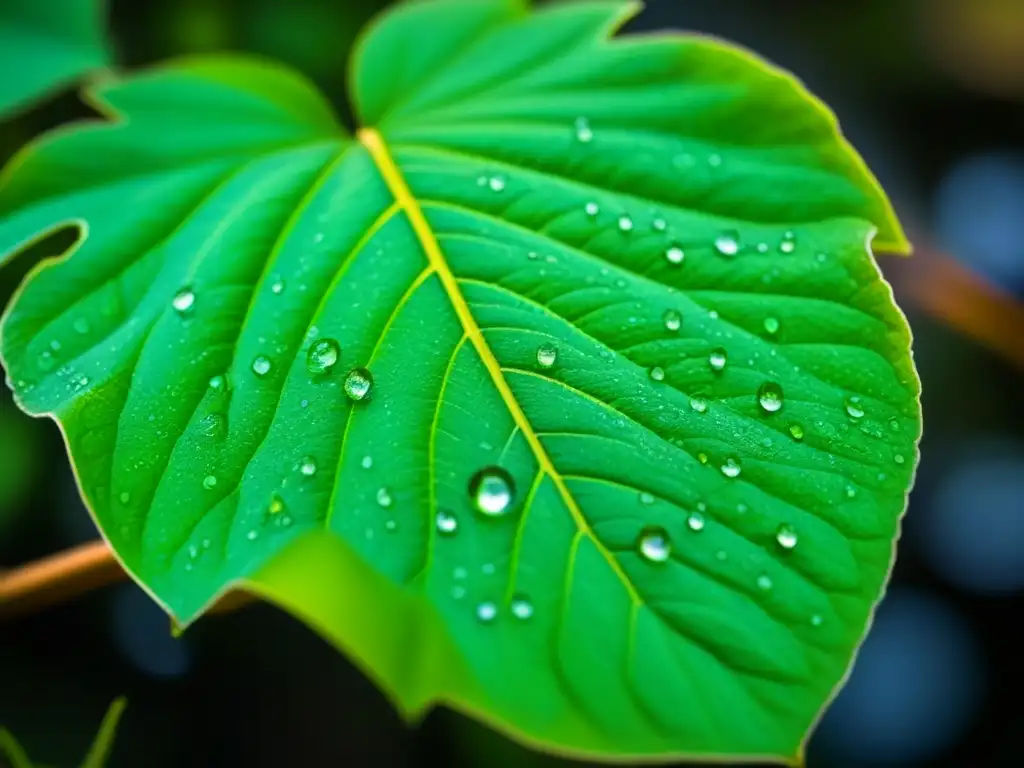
(854, 409)
(323, 355)
(458, 591)
(728, 243)
(492, 491)
(654, 544)
(486, 612)
(210, 482)
(771, 326)
(764, 582)
(496, 183)
(261, 365)
(769, 396)
(675, 255)
(285, 521)
(307, 467)
(218, 383)
(367, 462)
(894, 425)
(816, 620)
(547, 355)
(788, 244)
(183, 301)
(659, 224)
(786, 536)
(81, 325)
(695, 522)
(252, 535)
(276, 505)
(699, 404)
(384, 497)
(731, 468)
(673, 320)
(898, 458)
(277, 287)
(358, 384)
(584, 134)
(721, 555)
(125, 497)
(796, 432)
(521, 608)
(656, 373)
(446, 523)
(592, 209)
(717, 359)
(646, 498)
(625, 223)
(714, 160)
(702, 457)
(851, 492)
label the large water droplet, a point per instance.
(695, 522)
(307, 467)
(492, 491)
(592, 209)
(261, 365)
(728, 243)
(496, 183)
(183, 301)
(731, 468)
(854, 409)
(769, 396)
(654, 544)
(771, 326)
(675, 255)
(358, 384)
(446, 523)
(521, 608)
(699, 404)
(657, 373)
(547, 355)
(673, 320)
(717, 359)
(384, 497)
(584, 134)
(323, 355)
(786, 536)
(486, 612)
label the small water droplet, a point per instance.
(675, 255)
(367, 462)
(786, 536)
(764, 582)
(285, 521)
(218, 383)
(646, 498)
(695, 522)
(898, 458)
(277, 287)
(699, 404)
(547, 355)
(486, 612)
(717, 359)
(851, 492)
(458, 591)
(625, 223)
(81, 325)
(854, 409)
(673, 320)
(728, 243)
(252, 535)
(323, 355)
(702, 457)
(210, 482)
(592, 209)
(496, 183)
(125, 497)
(894, 425)
(796, 432)
(492, 491)
(261, 365)
(584, 134)
(307, 467)
(659, 224)
(358, 384)
(656, 373)
(816, 620)
(384, 497)
(771, 326)
(721, 555)
(714, 160)
(654, 544)
(769, 397)
(788, 243)
(446, 523)
(731, 468)
(183, 301)
(521, 608)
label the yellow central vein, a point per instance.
(374, 144)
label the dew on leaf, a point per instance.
(307, 467)
(657, 373)
(584, 134)
(854, 409)
(218, 383)
(81, 325)
(771, 326)
(276, 505)
(384, 497)
(699, 404)
(261, 365)
(728, 243)
(714, 160)
(796, 432)
(646, 498)
(788, 243)
(625, 223)
(673, 320)
(717, 359)
(125, 497)
(358, 384)
(695, 522)
(731, 468)
(183, 301)
(445, 523)
(769, 397)
(592, 209)
(702, 457)
(277, 287)
(675, 255)
(210, 482)
(366, 462)
(492, 491)
(851, 492)
(252, 535)
(486, 612)
(547, 355)
(786, 536)
(323, 355)
(816, 620)
(391, 526)
(898, 458)
(659, 224)
(654, 544)
(521, 608)
(496, 183)
(764, 582)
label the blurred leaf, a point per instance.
(44, 45)
(19, 455)
(99, 752)
(568, 394)
(12, 751)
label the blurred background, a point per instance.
(932, 94)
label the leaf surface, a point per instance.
(627, 470)
(45, 45)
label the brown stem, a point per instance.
(69, 574)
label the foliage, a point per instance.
(566, 392)
(99, 752)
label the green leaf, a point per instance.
(12, 751)
(46, 45)
(628, 281)
(99, 752)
